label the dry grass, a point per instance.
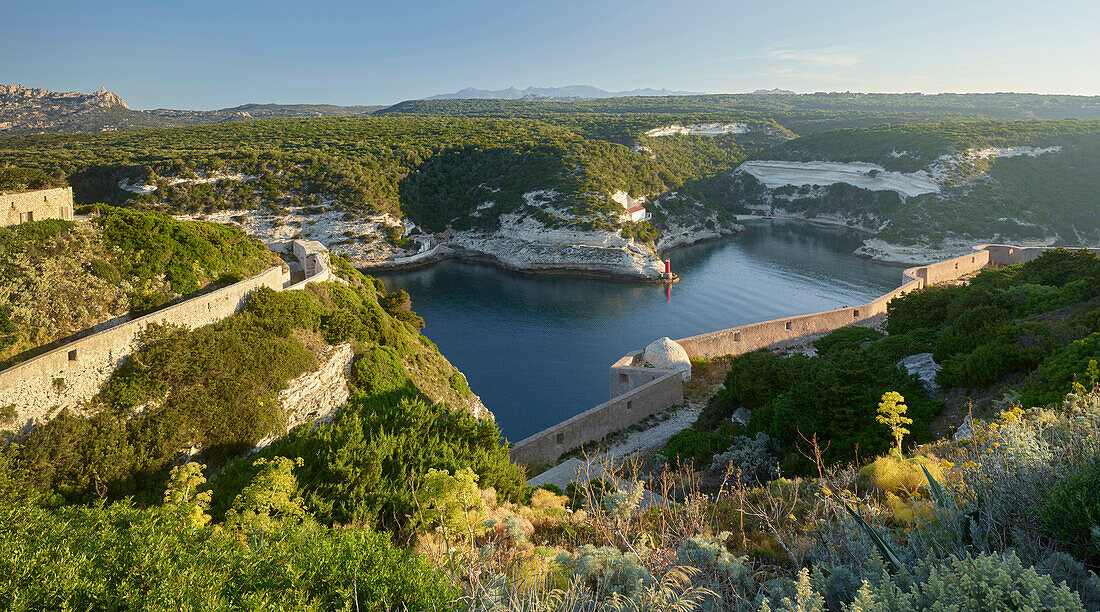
(706, 376)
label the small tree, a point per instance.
(891, 412)
(271, 498)
(185, 493)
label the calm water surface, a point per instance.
(537, 348)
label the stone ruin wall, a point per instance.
(26, 206)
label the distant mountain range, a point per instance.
(569, 92)
(26, 110)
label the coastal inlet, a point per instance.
(537, 348)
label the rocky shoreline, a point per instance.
(519, 245)
(524, 245)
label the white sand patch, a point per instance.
(705, 129)
(1013, 151)
(858, 174)
(126, 185)
(202, 177)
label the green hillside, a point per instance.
(801, 113)
(60, 278)
(435, 170)
(1048, 196)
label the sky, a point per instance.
(198, 54)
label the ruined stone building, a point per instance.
(27, 206)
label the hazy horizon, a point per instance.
(206, 56)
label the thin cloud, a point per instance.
(815, 57)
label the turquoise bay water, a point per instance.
(537, 348)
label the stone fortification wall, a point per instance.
(16, 208)
(72, 374)
(1007, 254)
(314, 258)
(652, 397)
(629, 373)
(754, 336)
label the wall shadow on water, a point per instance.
(537, 348)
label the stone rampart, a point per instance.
(26, 206)
(629, 373)
(73, 373)
(315, 260)
(652, 397)
(1007, 254)
(747, 338)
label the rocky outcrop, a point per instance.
(520, 243)
(923, 367)
(24, 109)
(319, 394)
(666, 354)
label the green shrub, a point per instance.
(897, 347)
(981, 367)
(847, 338)
(23, 179)
(753, 380)
(105, 270)
(699, 447)
(1055, 373)
(1072, 511)
(8, 414)
(189, 254)
(379, 371)
(985, 582)
(41, 231)
(358, 468)
(926, 308)
(147, 300)
(458, 383)
(969, 330)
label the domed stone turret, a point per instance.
(668, 355)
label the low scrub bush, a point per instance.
(118, 556)
(1072, 511)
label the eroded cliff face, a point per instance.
(520, 242)
(320, 394)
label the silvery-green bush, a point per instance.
(757, 458)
